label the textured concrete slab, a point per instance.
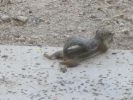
(26, 75)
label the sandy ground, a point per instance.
(50, 22)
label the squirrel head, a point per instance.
(104, 35)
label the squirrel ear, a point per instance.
(97, 31)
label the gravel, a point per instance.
(50, 22)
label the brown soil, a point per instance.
(50, 22)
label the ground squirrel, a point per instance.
(85, 48)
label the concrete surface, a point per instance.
(26, 75)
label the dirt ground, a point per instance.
(50, 22)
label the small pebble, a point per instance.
(114, 53)
(22, 39)
(4, 56)
(21, 19)
(5, 18)
(31, 41)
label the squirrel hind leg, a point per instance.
(70, 63)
